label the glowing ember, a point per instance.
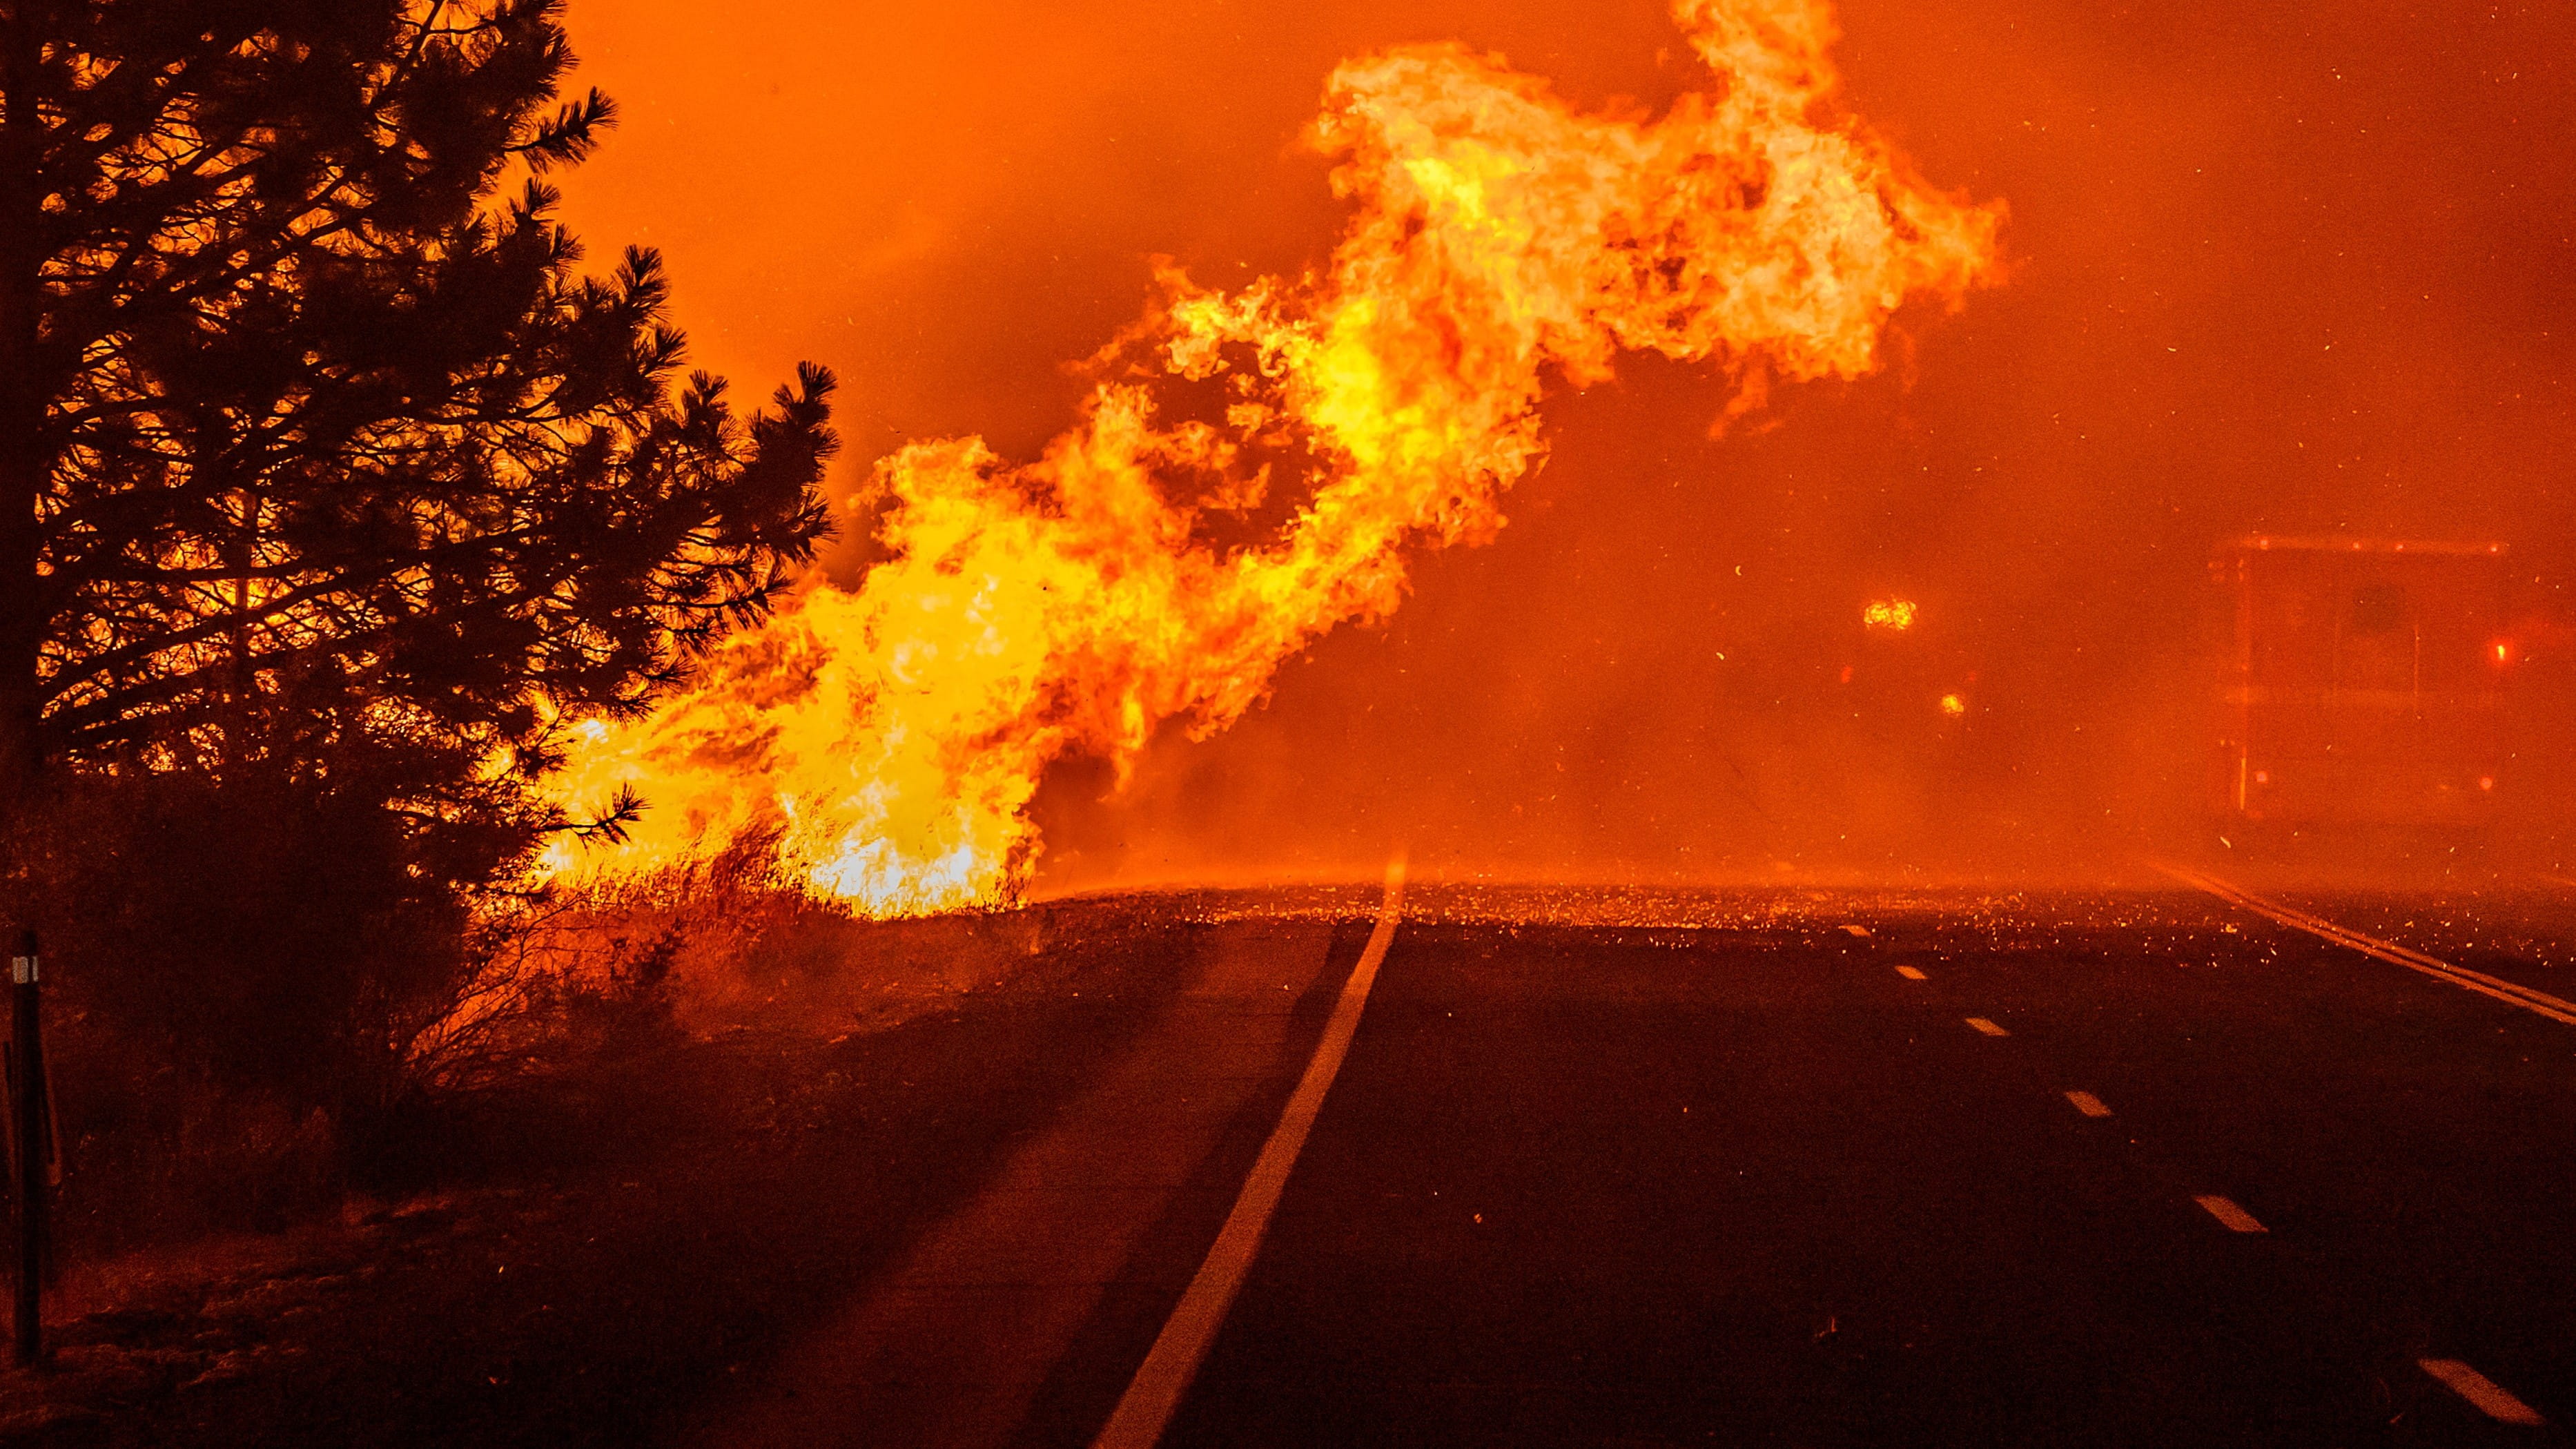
(893, 735)
(1954, 705)
(1893, 616)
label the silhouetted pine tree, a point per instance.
(318, 453)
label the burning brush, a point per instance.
(891, 736)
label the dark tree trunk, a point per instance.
(24, 454)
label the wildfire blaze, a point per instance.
(1252, 467)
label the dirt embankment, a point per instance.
(589, 1253)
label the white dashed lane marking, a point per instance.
(2491, 1398)
(1988, 1027)
(2088, 1104)
(1909, 973)
(2237, 1219)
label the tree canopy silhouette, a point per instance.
(318, 450)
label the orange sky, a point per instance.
(2296, 267)
(947, 202)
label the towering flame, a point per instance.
(891, 736)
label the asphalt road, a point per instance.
(1737, 1173)
(1608, 1167)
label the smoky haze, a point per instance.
(2298, 269)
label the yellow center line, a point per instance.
(1988, 1027)
(1147, 1407)
(2088, 1104)
(1909, 973)
(2478, 981)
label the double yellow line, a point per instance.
(2477, 981)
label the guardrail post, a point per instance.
(28, 1134)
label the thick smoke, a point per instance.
(1255, 467)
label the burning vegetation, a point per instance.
(1252, 467)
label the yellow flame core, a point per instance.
(892, 736)
(1893, 615)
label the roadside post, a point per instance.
(31, 1142)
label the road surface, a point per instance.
(1618, 1167)
(1816, 1169)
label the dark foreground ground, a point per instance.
(1601, 1168)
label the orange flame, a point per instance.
(894, 734)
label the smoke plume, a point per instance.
(1253, 468)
